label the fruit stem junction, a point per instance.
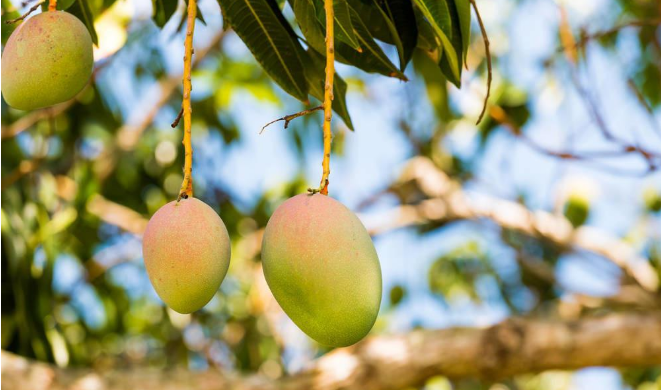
(187, 184)
(328, 98)
(52, 5)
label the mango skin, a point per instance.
(47, 60)
(186, 249)
(322, 267)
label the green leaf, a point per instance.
(256, 23)
(464, 14)
(438, 15)
(163, 11)
(9, 12)
(306, 16)
(344, 30)
(435, 82)
(81, 9)
(403, 17)
(427, 39)
(316, 79)
(372, 58)
(457, 49)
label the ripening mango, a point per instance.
(187, 253)
(321, 265)
(47, 60)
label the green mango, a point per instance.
(186, 249)
(322, 267)
(47, 60)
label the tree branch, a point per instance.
(513, 347)
(447, 201)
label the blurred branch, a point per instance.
(448, 202)
(500, 116)
(515, 346)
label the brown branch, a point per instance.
(513, 347)
(291, 117)
(176, 120)
(25, 15)
(447, 202)
(487, 52)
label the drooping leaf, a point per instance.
(256, 23)
(435, 82)
(163, 11)
(464, 15)
(390, 21)
(401, 13)
(81, 9)
(316, 78)
(427, 39)
(438, 15)
(344, 30)
(372, 58)
(457, 47)
(306, 16)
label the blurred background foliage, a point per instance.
(573, 113)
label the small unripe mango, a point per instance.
(322, 267)
(187, 253)
(47, 60)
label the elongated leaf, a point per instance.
(306, 16)
(344, 30)
(390, 21)
(435, 82)
(464, 16)
(82, 10)
(401, 13)
(390, 24)
(427, 39)
(457, 43)
(316, 77)
(270, 42)
(163, 11)
(372, 58)
(438, 15)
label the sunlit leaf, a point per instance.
(269, 41)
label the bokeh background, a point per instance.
(80, 180)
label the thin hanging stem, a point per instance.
(52, 5)
(187, 184)
(328, 98)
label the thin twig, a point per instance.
(187, 184)
(177, 119)
(328, 98)
(485, 38)
(290, 117)
(25, 15)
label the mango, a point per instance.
(322, 267)
(47, 60)
(186, 249)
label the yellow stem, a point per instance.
(187, 184)
(328, 96)
(52, 5)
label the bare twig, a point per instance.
(290, 117)
(25, 15)
(488, 55)
(177, 119)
